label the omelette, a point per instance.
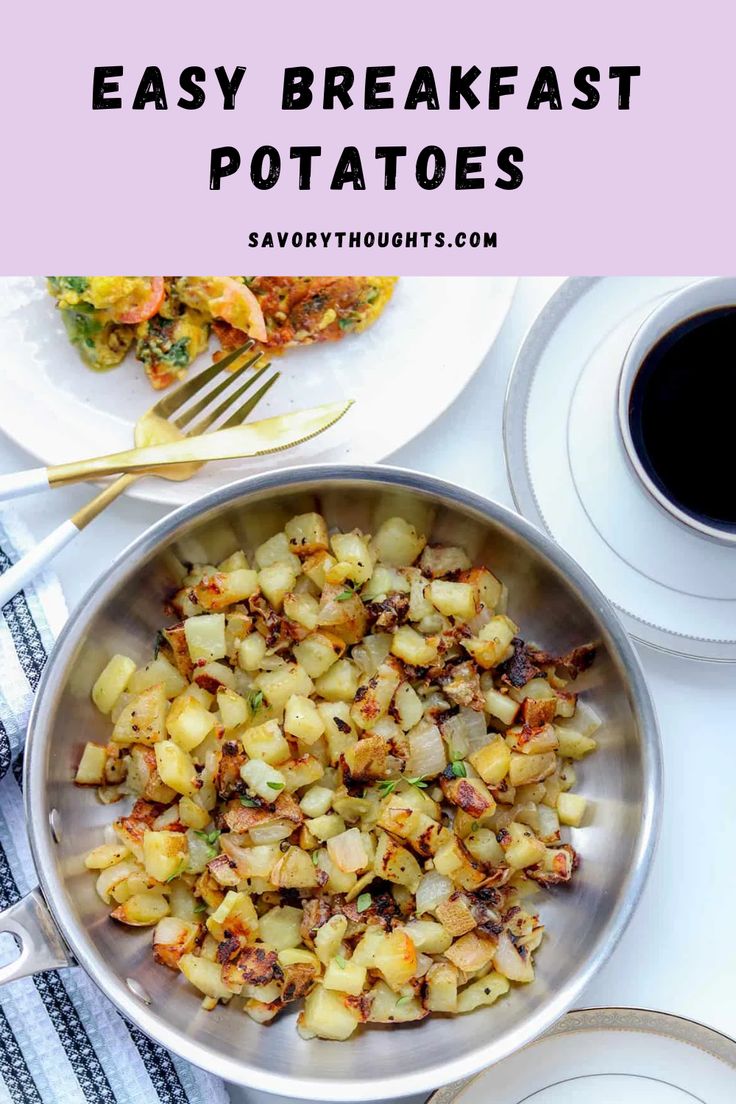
(167, 320)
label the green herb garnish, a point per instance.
(364, 902)
(315, 858)
(209, 837)
(275, 785)
(387, 786)
(251, 804)
(255, 700)
(340, 961)
(201, 907)
(179, 870)
(459, 769)
(403, 1000)
(345, 595)
(418, 782)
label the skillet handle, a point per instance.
(41, 946)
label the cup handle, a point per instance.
(41, 945)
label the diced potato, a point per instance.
(486, 586)
(106, 855)
(164, 854)
(374, 695)
(143, 719)
(396, 864)
(525, 769)
(236, 913)
(492, 761)
(192, 814)
(318, 652)
(279, 685)
(453, 860)
(327, 826)
(396, 958)
(353, 556)
(91, 769)
(294, 870)
(205, 636)
(176, 767)
(275, 582)
(471, 952)
(414, 648)
(339, 683)
(220, 589)
(483, 846)
(392, 1007)
(521, 847)
(205, 976)
(441, 993)
(174, 936)
(262, 779)
(408, 706)
(532, 741)
(307, 534)
(486, 990)
(316, 567)
(302, 719)
(301, 772)
(571, 809)
(385, 580)
(367, 947)
(143, 777)
(266, 741)
(213, 676)
(428, 936)
(493, 642)
(326, 1016)
(251, 651)
(275, 550)
(573, 745)
(397, 543)
(280, 927)
(452, 599)
(142, 909)
(233, 708)
(111, 682)
(316, 801)
(328, 939)
(188, 722)
(302, 608)
(455, 915)
(158, 670)
(501, 706)
(345, 976)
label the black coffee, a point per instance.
(682, 415)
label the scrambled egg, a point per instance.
(168, 319)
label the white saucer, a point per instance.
(610, 1056)
(675, 590)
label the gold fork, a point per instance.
(155, 427)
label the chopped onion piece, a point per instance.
(347, 851)
(271, 833)
(432, 890)
(427, 756)
(370, 654)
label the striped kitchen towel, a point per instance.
(61, 1041)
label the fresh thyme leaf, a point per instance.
(255, 700)
(276, 785)
(364, 902)
(345, 595)
(201, 907)
(340, 961)
(387, 786)
(209, 837)
(179, 870)
(402, 1000)
(459, 769)
(249, 802)
(315, 858)
(418, 782)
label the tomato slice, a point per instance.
(148, 307)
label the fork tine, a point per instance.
(209, 396)
(243, 411)
(171, 402)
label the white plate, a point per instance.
(404, 372)
(610, 1056)
(674, 589)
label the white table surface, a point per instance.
(678, 954)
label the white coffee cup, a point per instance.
(697, 298)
